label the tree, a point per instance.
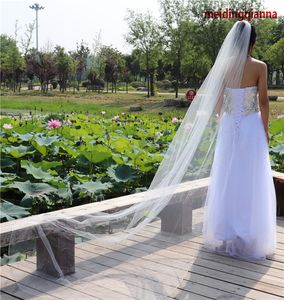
(127, 70)
(64, 67)
(175, 15)
(12, 63)
(73, 73)
(144, 35)
(26, 41)
(133, 64)
(113, 65)
(95, 83)
(275, 56)
(268, 33)
(80, 55)
(42, 65)
(278, 30)
(195, 66)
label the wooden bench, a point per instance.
(278, 179)
(63, 243)
(176, 218)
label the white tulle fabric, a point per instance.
(240, 217)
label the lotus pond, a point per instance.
(55, 161)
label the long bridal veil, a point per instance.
(155, 267)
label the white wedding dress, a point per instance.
(240, 209)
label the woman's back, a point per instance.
(252, 72)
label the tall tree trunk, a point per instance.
(178, 62)
(152, 83)
(277, 77)
(270, 74)
(148, 75)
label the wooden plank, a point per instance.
(41, 285)
(278, 175)
(249, 292)
(196, 249)
(219, 265)
(255, 283)
(153, 231)
(169, 273)
(279, 254)
(280, 236)
(205, 292)
(204, 253)
(144, 280)
(216, 265)
(258, 293)
(186, 295)
(22, 291)
(4, 296)
(125, 275)
(281, 291)
(91, 282)
(256, 298)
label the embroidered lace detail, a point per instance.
(249, 103)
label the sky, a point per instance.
(66, 22)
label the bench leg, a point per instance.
(176, 217)
(63, 249)
(279, 189)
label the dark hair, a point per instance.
(241, 26)
(252, 36)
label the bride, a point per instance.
(240, 217)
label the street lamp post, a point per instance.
(36, 7)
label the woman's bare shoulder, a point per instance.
(258, 62)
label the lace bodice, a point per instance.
(239, 103)
(243, 101)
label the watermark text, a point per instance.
(229, 13)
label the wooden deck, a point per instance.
(210, 275)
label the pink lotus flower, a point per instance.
(174, 120)
(123, 113)
(103, 112)
(7, 126)
(115, 118)
(54, 124)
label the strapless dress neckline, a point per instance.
(242, 88)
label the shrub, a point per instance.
(137, 84)
(164, 84)
(99, 82)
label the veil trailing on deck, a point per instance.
(150, 237)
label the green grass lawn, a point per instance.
(83, 102)
(94, 103)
